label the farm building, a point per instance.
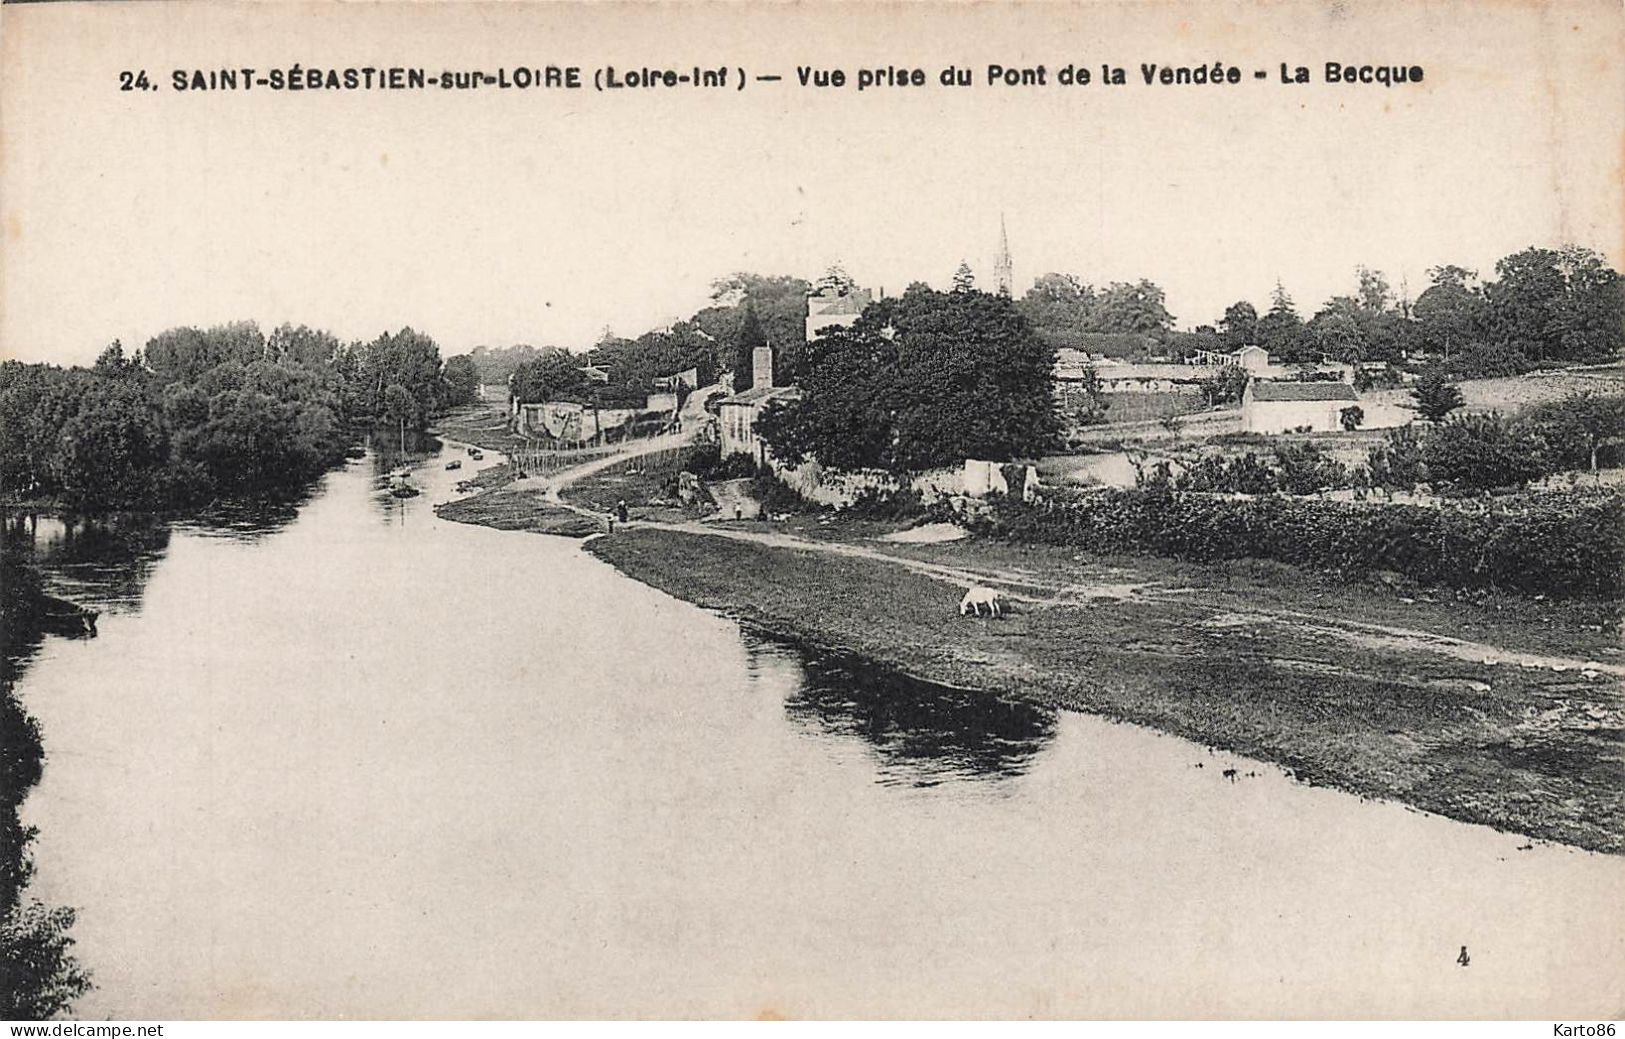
(1253, 358)
(570, 421)
(1283, 407)
(737, 414)
(1116, 377)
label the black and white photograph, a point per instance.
(653, 511)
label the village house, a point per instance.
(830, 307)
(569, 420)
(1257, 363)
(1285, 407)
(689, 377)
(1117, 377)
(737, 415)
(1251, 357)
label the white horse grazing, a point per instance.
(978, 596)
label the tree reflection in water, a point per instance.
(922, 734)
(102, 561)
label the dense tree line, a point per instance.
(1454, 455)
(39, 976)
(1062, 309)
(200, 414)
(919, 381)
(1543, 306)
(746, 311)
(1472, 454)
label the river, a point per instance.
(354, 761)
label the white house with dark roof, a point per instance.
(1285, 407)
(831, 307)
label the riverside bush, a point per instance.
(1556, 545)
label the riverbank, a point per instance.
(39, 975)
(483, 424)
(1485, 713)
(505, 509)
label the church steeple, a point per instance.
(1003, 279)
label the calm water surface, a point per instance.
(353, 761)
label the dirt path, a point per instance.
(1026, 587)
(552, 484)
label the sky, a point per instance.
(491, 217)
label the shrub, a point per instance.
(1397, 464)
(1561, 546)
(1435, 396)
(1473, 453)
(774, 494)
(876, 503)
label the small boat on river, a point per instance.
(62, 617)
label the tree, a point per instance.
(399, 405)
(847, 413)
(113, 364)
(302, 345)
(1434, 396)
(1576, 428)
(496, 364)
(964, 280)
(1133, 307)
(1060, 309)
(780, 303)
(1473, 453)
(1280, 331)
(1375, 296)
(39, 977)
(923, 381)
(1564, 304)
(1450, 311)
(1337, 330)
(1227, 386)
(1389, 336)
(111, 448)
(1521, 300)
(553, 374)
(224, 413)
(1396, 464)
(1351, 417)
(1084, 401)
(1589, 319)
(1239, 326)
(835, 282)
(184, 354)
(410, 360)
(462, 381)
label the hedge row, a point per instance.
(1556, 545)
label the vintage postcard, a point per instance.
(1103, 510)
